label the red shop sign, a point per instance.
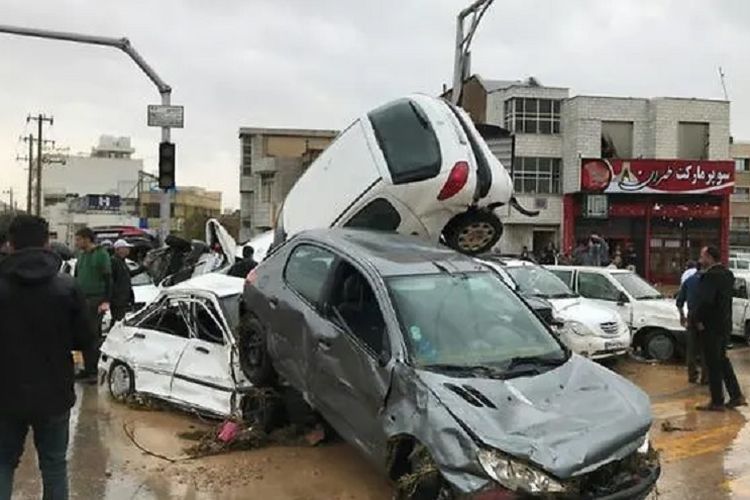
(657, 176)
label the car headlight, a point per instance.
(516, 475)
(577, 327)
(646, 446)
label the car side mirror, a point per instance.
(622, 299)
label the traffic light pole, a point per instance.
(165, 206)
(124, 45)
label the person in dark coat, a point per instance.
(713, 320)
(122, 286)
(242, 268)
(44, 319)
(694, 357)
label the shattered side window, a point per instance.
(169, 319)
(307, 271)
(378, 215)
(207, 326)
(408, 141)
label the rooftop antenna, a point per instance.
(723, 83)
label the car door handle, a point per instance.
(202, 350)
(139, 336)
(273, 302)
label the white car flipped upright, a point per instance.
(654, 320)
(416, 165)
(586, 327)
(181, 348)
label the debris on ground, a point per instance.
(141, 402)
(233, 436)
(668, 426)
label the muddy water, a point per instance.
(708, 457)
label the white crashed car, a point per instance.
(181, 348)
(416, 165)
(586, 327)
(261, 245)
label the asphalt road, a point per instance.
(704, 456)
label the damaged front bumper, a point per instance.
(632, 478)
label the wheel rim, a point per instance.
(660, 347)
(120, 382)
(476, 236)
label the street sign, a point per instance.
(160, 115)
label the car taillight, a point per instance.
(251, 277)
(456, 180)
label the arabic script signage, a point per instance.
(657, 176)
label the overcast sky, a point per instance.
(319, 63)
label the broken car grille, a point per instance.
(610, 328)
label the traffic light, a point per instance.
(166, 165)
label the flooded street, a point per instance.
(703, 455)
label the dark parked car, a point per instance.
(438, 372)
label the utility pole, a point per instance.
(30, 159)
(11, 206)
(463, 42)
(124, 45)
(39, 119)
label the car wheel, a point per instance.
(254, 358)
(121, 381)
(660, 345)
(473, 232)
(423, 481)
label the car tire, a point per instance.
(427, 486)
(659, 345)
(120, 381)
(254, 359)
(473, 232)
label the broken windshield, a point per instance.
(637, 286)
(539, 282)
(467, 320)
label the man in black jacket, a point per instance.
(122, 285)
(43, 319)
(713, 320)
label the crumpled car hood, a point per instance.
(583, 310)
(568, 421)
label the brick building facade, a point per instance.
(554, 136)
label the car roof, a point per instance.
(394, 254)
(604, 270)
(220, 284)
(506, 260)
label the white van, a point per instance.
(417, 166)
(654, 320)
(587, 328)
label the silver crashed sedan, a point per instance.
(438, 372)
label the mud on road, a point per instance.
(704, 456)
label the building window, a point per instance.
(266, 188)
(536, 175)
(742, 164)
(741, 194)
(152, 210)
(247, 154)
(617, 139)
(247, 171)
(692, 141)
(528, 115)
(741, 224)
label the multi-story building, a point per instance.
(272, 159)
(739, 232)
(187, 203)
(652, 175)
(96, 189)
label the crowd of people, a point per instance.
(592, 251)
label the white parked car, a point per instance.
(417, 166)
(586, 327)
(653, 319)
(741, 305)
(181, 348)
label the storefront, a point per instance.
(657, 213)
